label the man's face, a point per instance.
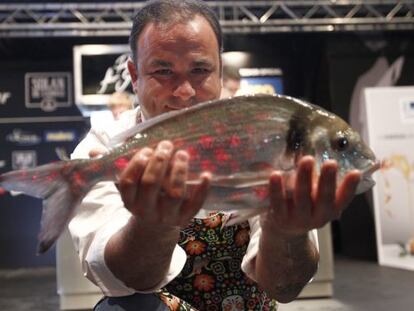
(178, 65)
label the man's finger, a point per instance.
(175, 187)
(153, 177)
(195, 201)
(325, 194)
(131, 176)
(346, 191)
(303, 187)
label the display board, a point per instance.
(390, 124)
(99, 70)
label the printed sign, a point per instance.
(23, 138)
(24, 159)
(99, 71)
(59, 136)
(48, 90)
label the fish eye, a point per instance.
(342, 143)
(296, 140)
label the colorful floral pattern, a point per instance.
(212, 278)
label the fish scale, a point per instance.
(240, 140)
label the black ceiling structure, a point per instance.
(103, 18)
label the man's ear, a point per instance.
(132, 72)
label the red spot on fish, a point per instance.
(221, 155)
(193, 153)
(52, 176)
(209, 166)
(34, 177)
(121, 163)
(261, 192)
(2, 191)
(235, 141)
(206, 141)
(78, 179)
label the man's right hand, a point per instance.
(153, 187)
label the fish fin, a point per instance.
(240, 216)
(61, 189)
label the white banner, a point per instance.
(390, 125)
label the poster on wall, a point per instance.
(99, 70)
(390, 124)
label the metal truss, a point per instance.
(114, 19)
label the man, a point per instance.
(147, 244)
(231, 81)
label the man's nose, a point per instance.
(184, 90)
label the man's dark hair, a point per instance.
(166, 11)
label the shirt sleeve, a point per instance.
(248, 262)
(100, 215)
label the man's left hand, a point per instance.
(313, 201)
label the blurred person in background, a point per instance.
(119, 102)
(231, 81)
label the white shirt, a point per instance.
(102, 214)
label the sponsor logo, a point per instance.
(4, 97)
(59, 136)
(24, 159)
(2, 163)
(23, 138)
(116, 76)
(48, 90)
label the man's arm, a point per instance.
(153, 189)
(287, 259)
(140, 256)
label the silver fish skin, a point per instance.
(240, 140)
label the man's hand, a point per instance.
(287, 259)
(312, 203)
(153, 187)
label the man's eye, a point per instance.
(200, 70)
(163, 72)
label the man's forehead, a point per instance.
(188, 31)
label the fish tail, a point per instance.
(62, 186)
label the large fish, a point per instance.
(239, 140)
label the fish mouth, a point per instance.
(366, 181)
(367, 172)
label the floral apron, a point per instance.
(212, 278)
